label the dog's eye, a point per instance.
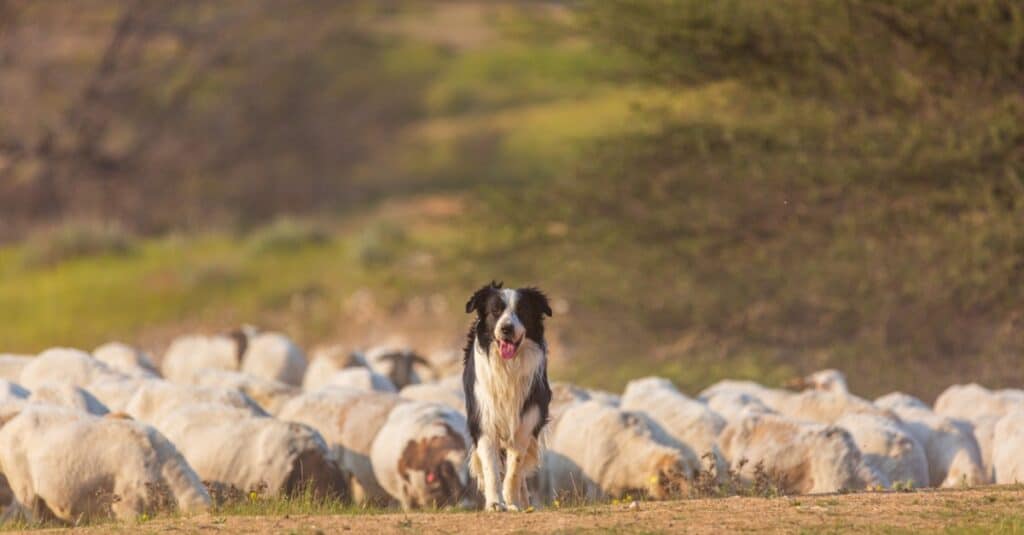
(497, 308)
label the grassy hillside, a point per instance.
(718, 190)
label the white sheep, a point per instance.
(116, 393)
(1008, 452)
(954, 458)
(71, 466)
(66, 366)
(594, 451)
(155, 399)
(735, 406)
(439, 392)
(12, 365)
(349, 421)
(825, 407)
(769, 396)
(419, 455)
(188, 354)
(231, 447)
(126, 359)
(887, 448)
(797, 457)
(68, 395)
(327, 360)
(268, 393)
(274, 356)
(360, 379)
(973, 401)
(686, 420)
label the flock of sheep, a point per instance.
(86, 435)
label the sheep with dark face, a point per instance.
(66, 465)
(397, 364)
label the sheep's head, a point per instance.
(433, 469)
(824, 381)
(670, 477)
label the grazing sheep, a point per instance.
(984, 428)
(825, 407)
(68, 395)
(888, 448)
(360, 379)
(1008, 453)
(973, 401)
(438, 392)
(65, 366)
(275, 357)
(397, 364)
(349, 420)
(156, 398)
(895, 400)
(419, 455)
(954, 458)
(607, 398)
(798, 457)
(127, 360)
(231, 447)
(11, 366)
(769, 396)
(327, 360)
(735, 406)
(686, 420)
(595, 451)
(115, 393)
(67, 465)
(824, 381)
(189, 354)
(269, 394)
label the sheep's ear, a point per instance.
(479, 298)
(537, 299)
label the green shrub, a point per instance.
(76, 239)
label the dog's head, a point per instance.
(506, 317)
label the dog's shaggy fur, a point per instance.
(507, 393)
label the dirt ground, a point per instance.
(983, 510)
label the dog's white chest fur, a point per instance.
(502, 387)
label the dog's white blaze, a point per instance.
(509, 316)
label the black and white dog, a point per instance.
(505, 379)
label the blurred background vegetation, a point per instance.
(735, 188)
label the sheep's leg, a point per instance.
(487, 453)
(518, 457)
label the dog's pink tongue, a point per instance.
(507, 349)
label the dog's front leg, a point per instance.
(519, 461)
(490, 465)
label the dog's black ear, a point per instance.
(477, 300)
(537, 299)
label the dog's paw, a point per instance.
(496, 507)
(513, 508)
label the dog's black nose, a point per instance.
(508, 330)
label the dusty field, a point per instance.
(995, 509)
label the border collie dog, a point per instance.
(505, 379)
